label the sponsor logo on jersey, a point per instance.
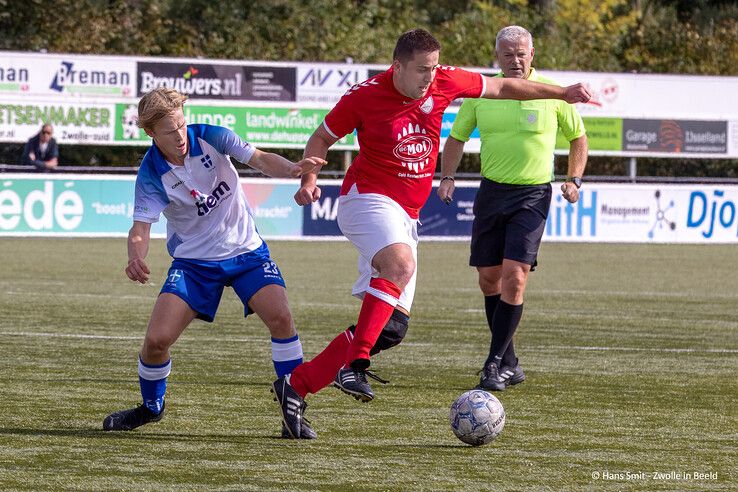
(198, 196)
(206, 203)
(413, 148)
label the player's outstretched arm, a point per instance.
(138, 247)
(521, 89)
(276, 166)
(317, 146)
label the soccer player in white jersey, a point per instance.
(397, 116)
(188, 176)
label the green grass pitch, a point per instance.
(631, 353)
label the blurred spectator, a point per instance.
(41, 150)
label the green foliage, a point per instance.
(661, 43)
(598, 35)
(585, 35)
(650, 36)
(469, 39)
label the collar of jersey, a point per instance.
(533, 75)
(195, 149)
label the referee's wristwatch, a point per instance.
(576, 180)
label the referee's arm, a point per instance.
(578, 150)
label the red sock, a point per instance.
(380, 300)
(321, 370)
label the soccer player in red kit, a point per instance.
(397, 115)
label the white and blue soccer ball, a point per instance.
(477, 417)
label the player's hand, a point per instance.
(307, 194)
(570, 192)
(138, 271)
(307, 165)
(576, 93)
(446, 191)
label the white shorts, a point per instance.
(372, 222)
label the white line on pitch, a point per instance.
(118, 337)
(540, 348)
(73, 294)
(688, 294)
(632, 349)
(150, 295)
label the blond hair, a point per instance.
(158, 104)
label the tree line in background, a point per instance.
(644, 36)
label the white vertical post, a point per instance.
(633, 169)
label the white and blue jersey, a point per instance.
(208, 217)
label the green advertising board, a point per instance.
(267, 127)
(74, 123)
(602, 134)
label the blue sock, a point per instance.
(286, 354)
(153, 381)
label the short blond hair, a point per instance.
(158, 104)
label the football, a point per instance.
(477, 417)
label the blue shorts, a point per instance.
(200, 283)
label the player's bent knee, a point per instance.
(400, 273)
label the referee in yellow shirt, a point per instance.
(512, 204)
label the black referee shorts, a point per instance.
(509, 221)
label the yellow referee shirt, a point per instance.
(518, 137)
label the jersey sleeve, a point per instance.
(343, 118)
(570, 121)
(463, 83)
(227, 142)
(150, 198)
(465, 121)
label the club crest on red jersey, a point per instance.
(427, 105)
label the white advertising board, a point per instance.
(630, 213)
(67, 76)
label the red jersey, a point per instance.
(399, 137)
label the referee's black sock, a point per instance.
(505, 322)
